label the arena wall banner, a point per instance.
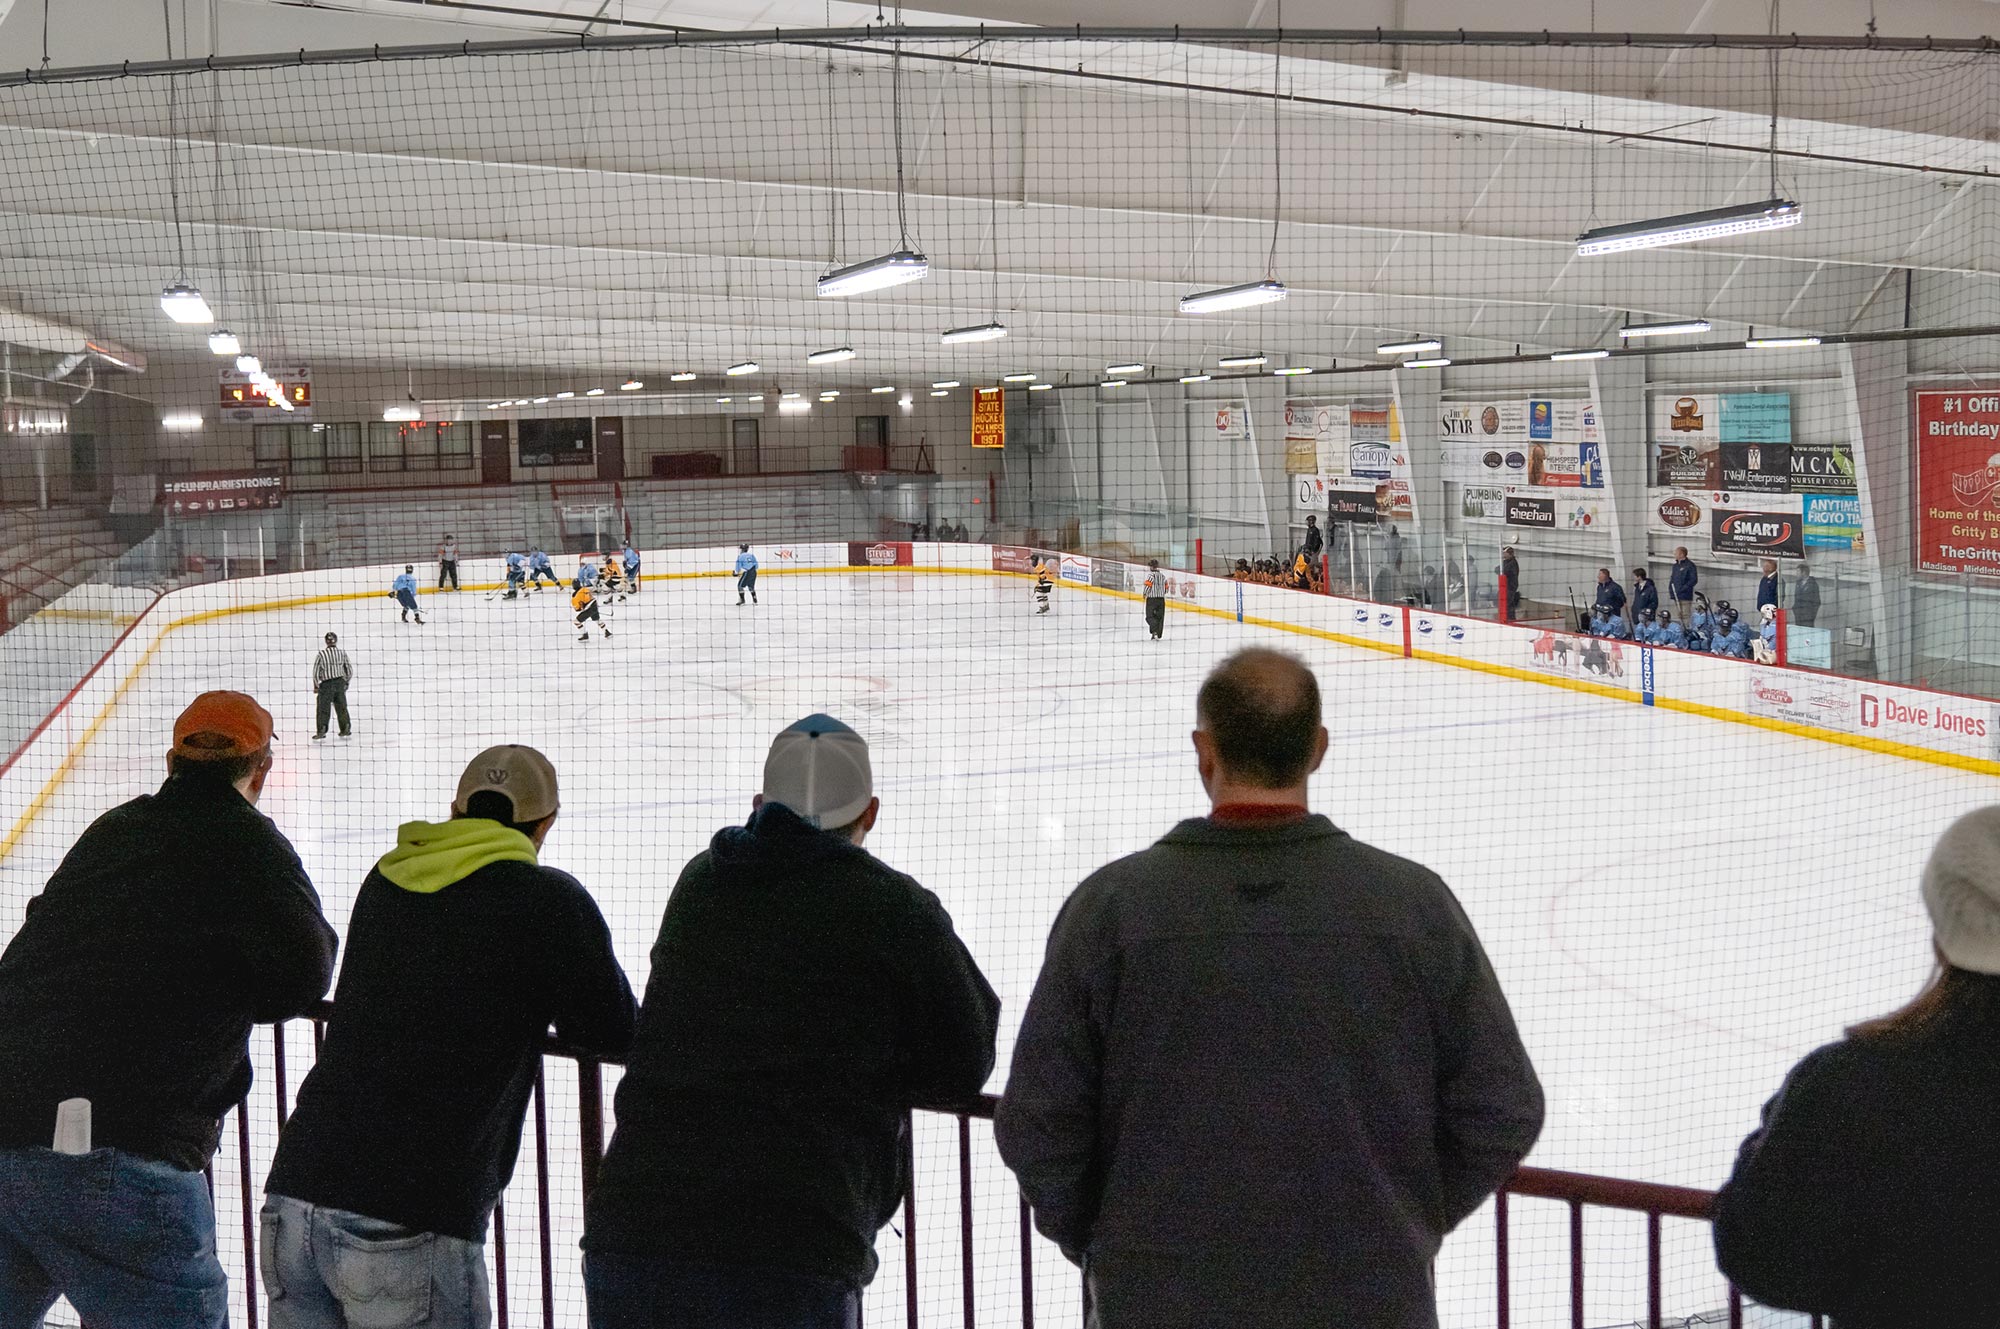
(1107, 574)
(1013, 558)
(989, 418)
(1352, 502)
(1929, 720)
(1316, 437)
(1757, 533)
(1757, 468)
(1536, 419)
(1958, 482)
(221, 493)
(1075, 567)
(1591, 659)
(1674, 512)
(1826, 701)
(1483, 503)
(1709, 418)
(1534, 513)
(880, 554)
(1822, 468)
(1833, 521)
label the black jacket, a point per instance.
(1684, 579)
(803, 997)
(1314, 542)
(1645, 595)
(1805, 601)
(413, 1111)
(1767, 590)
(1872, 1191)
(1610, 595)
(1264, 1071)
(175, 922)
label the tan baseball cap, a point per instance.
(521, 773)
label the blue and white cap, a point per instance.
(819, 769)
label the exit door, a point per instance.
(494, 440)
(743, 446)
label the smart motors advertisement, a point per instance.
(1958, 482)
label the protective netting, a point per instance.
(1688, 869)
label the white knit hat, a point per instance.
(1962, 891)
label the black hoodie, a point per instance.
(803, 997)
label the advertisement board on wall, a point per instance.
(1728, 417)
(1756, 468)
(1316, 437)
(1592, 659)
(1756, 533)
(1538, 513)
(1958, 482)
(1539, 419)
(220, 493)
(1487, 503)
(1107, 573)
(1676, 512)
(1833, 521)
(1353, 502)
(1823, 468)
(1828, 702)
(1013, 558)
(879, 554)
(1230, 419)
(1927, 719)
(1543, 465)
(1075, 567)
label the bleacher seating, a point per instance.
(46, 551)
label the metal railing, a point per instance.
(1578, 1192)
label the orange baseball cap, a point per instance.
(229, 724)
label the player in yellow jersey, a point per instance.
(584, 601)
(1044, 582)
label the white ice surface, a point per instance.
(1677, 907)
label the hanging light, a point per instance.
(1234, 297)
(182, 303)
(1196, 378)
(404, 414)
(1241, 361)
(683, 377)
(1292, 371)
(978, 332)
(1742, 219)
(223, 342)
(1417, 347)
(1595, 354)
(1040, 387)
(1437, 362)
(879, 391)
(595, 392)
(739, 370)
(633, 384)
(249, 364)
(832, 355)
(1017, 378)
(1116, 370)
(1778, 343)
(1681, 328)
(877, 274)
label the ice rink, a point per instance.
(1677, 907)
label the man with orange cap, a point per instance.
(175, 922)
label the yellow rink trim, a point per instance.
(1879, 746)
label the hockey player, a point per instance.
(1155, 593)
(1731, 638)
(631, 556)
(1615, 626)
(1670, 633)
(516, 569)
(584, 601)
(586, 572)
(1703, 622)
(1765, 648)
(1645, 632)
(746, 574)
(404, 588)
(1045, 582)
(540, 567)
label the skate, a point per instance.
(583, 636)
(347, 733)
(318, 737)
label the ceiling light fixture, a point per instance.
(1741, 219)
(1112, 383)
(541, 401)
(1040, 387)
(829, 392)
(877, 274)
(1418, 347)
(977, 332)
(831, 355)
(1240, 361)
(722, 401)
(402, 413)
(940, 393)
(1017, 378)
(790, 396)
(1196, 378)
(947, 383)
(1778, 343)
(1598, 354)
(564, 396)
(249, 364)
(1681, 328)
(1437, 362)
(181, 422)
(633, 384)
(739, 370)
(1245, 296)
(685, 376)
(595, 392)
(223, 342)
(183, 304)
(1292, 371)
(879, 391)
(1116, 370)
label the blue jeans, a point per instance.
(129, 1241)
(647, 1292)
(330, 1269)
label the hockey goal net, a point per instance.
(590, 514)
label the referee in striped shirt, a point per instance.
(332, 672)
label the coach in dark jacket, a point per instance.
(1645, 595)
(1871, 1193)
(1681, 584)
(1266, 1068)
(803, 997)
(176, 922)
(463, 950)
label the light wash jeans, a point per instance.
(130, 1242)
(330, 1269)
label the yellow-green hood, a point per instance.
(430, 856)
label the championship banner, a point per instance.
(989, 418)
(1958, 482)
(220, 494)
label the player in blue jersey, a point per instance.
(540, 567)
(516, 566)
(746, 574)
(404, 588)
(631, 569)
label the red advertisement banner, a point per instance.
(879, 554)
(218, 495)
(1958, 482)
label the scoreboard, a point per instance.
(244, 402)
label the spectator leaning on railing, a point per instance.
(174, 923)
(1266, 1067)
(1871, 1193)
(803, 997)
(462, 950)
